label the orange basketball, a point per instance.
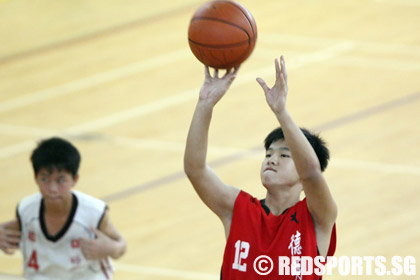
(222, 34)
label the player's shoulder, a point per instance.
(247, 197)
(30, 201)
(246, 200)
(89, 202)
(85, 196)
(303, 204)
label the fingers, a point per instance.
(84, 242)
(9, 240)
(9, 245)
(8, 251)
(228, 71)
(263, 85)
(10, 223)
(10, 232)
(94, 248)
(207, 72)
(13, 241)
(283, 68)
(236, 70)
(278, 70)
(229, 75)
(232, 74)
(233, 71)
(97, 232)
(281, 73)
(85, 246)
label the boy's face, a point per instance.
(55, 185)
(278, 168)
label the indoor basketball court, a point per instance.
(118, 79)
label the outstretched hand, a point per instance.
(276, 96)
(215, 87)
(9, 237)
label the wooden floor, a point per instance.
(117, 78)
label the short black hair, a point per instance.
(317, 143)
(56, 153)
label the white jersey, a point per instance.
(60, 256)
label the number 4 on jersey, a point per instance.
(241, 253)
(33, 262)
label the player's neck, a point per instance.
(279, 200)
(62, 208)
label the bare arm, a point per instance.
(108, 242)
(218, 196)
(319, 199)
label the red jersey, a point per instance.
(256, 234)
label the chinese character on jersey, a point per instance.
(295, 248)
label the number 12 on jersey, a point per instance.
(241, 253)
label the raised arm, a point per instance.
(218, 196)
(319, 199)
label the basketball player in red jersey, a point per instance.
(281, 225)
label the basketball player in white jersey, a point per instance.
(62, 233)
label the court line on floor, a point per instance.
(146, 20)
(134, 68)
(258, 153)
(94, 80)
(362, 114)
(363, 165)
(97, 34)
(189, 95)
(141, 110)
(255, 152)
(389, 64)
(121, 72)
(375, 47)
(363, 61)
(375, 166)
(251, 152)
(43, 133)
(155, 62)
